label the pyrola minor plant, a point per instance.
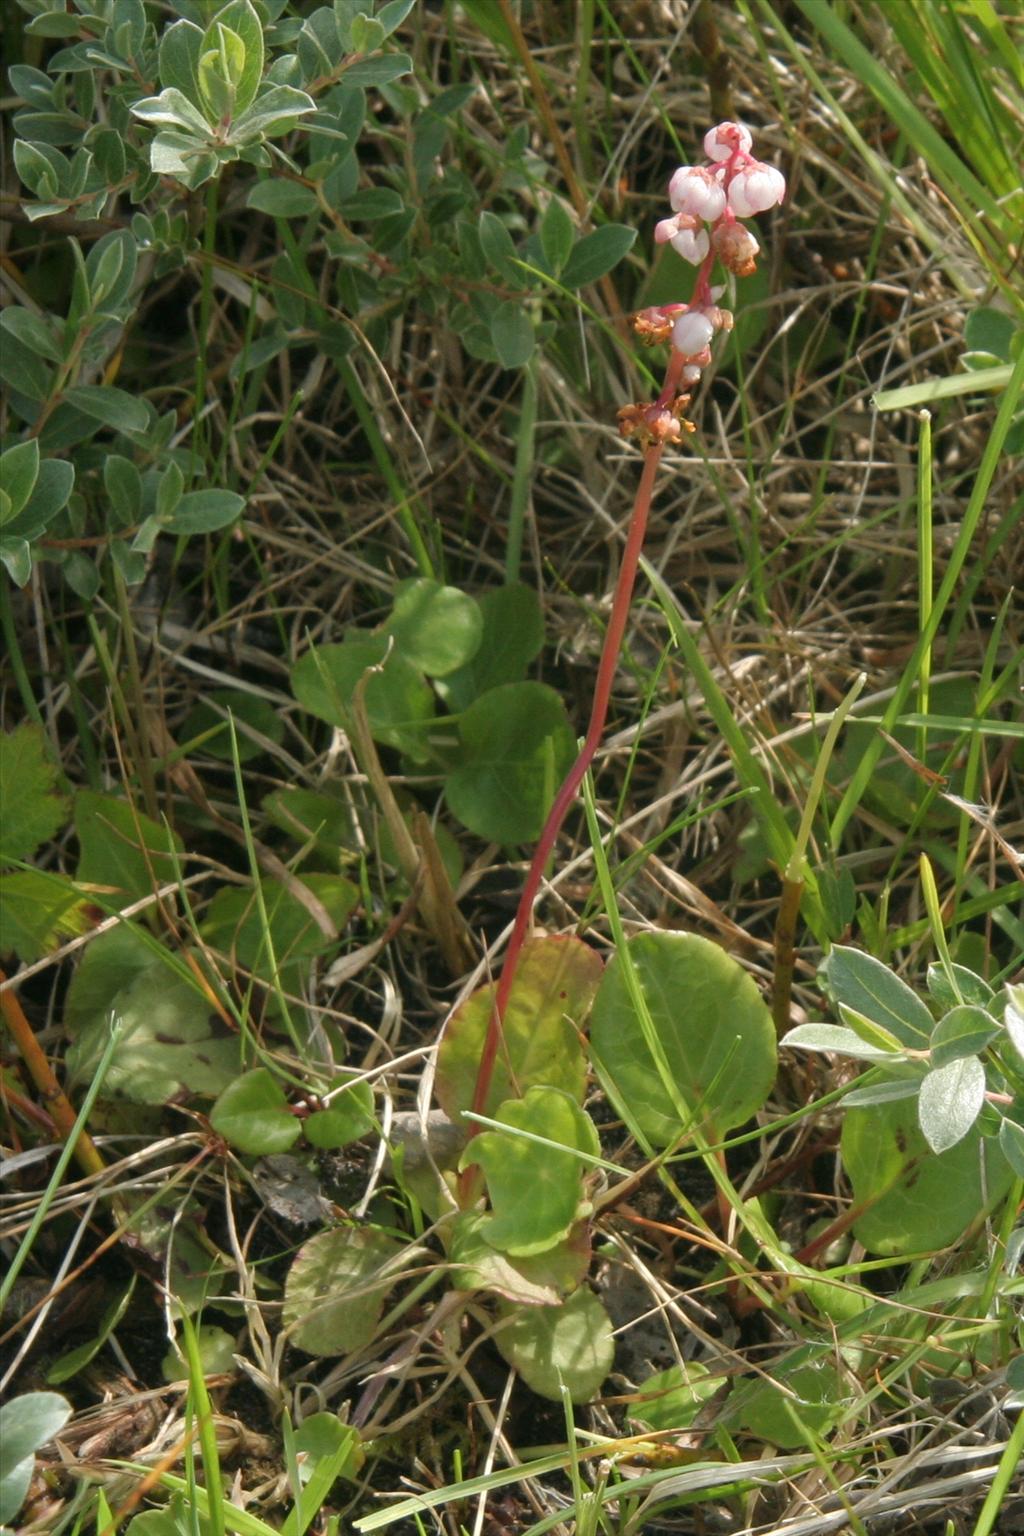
(708, 203)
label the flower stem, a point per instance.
(574, 778)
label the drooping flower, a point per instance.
(755, 188)
(696, 190)
(726, 140)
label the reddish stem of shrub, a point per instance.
(574, 778)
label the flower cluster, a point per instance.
(708, 202)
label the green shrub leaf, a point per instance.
(26, 1423)
(597, 253)
(204, 512)
(950, 1101)
(870, 988)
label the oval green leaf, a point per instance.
(513, 633)
(347, 1116)
(711, 1028)
(329, 1298)
(253, 1114)
(569, 1345)
(436, 628)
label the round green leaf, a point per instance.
(235, 923)
(172, 1042)
(534, 1188)
(911, 1199)
(568, 1345)
(711, 1029)
(347, 1117)
(555, 981)
(253, 1114)
(516, 747)
(216, 1352)
(436, 628)
(121, 847)
(398, 699)
(329, 1296)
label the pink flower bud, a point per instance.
(694, 190)
(723, 141)
(664, 230)
(756, 188)
(691, 245)
(692, 333)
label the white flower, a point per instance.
(691, 245)
(721, 142)
(756, 188)
(692, 333)
(694, 190)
